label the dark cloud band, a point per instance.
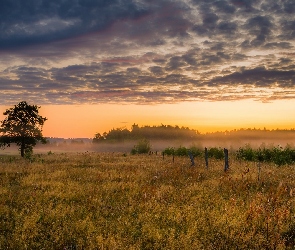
(146, 51)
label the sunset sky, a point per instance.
(94, 65)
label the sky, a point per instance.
(94, 65)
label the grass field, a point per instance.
(115, 201)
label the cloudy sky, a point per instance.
(150, 57)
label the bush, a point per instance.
(142, 147)
(247, 154)
(133, 151)
(196, 152)
(181, 151)
(278, 155)
(169, 151)
(216, 153)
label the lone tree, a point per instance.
(23, 126)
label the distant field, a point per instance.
(119, 201)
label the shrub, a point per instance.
(169, 151)
(278, 155)
(181, 151)
(142, 147)
(216, 153)
(247, 153)
(133, 151)
(196, 151)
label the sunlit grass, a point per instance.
(113, 201)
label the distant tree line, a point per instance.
(168, 132)
(162, 132)
(252, 134)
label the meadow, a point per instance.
(121, 201)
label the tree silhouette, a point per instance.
(23, 126)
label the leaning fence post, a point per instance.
(206, 157)
(226, 166)
(192, 158)
(259, 170)
(163, 155)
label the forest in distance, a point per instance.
(163, 136)
(168, 132)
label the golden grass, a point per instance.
(112, 201)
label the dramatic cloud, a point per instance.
(146, 51)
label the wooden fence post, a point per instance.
(259, 170)
(206, 158)
(226, 166)
(192, 158)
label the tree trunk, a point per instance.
(22, 149)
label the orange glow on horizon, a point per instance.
(83, 121)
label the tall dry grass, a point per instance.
(114, 201)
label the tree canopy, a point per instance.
(22, 126)
(163, 132)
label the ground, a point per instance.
(121, 201)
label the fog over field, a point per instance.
(255, 139)
(230, 139)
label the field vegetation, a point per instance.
(277, 154)
(123, 201)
